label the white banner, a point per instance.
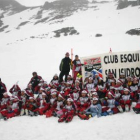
(116, 63)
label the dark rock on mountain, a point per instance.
(11, 5)
(66, 31)
(134, 32)
(3, 28)
(124, 4)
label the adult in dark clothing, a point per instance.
(65, 65)
(3, 89)
(35, 80)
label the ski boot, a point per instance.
(136, 110)
(127, 108)
(61, 120)
(69, 119)
(83, 116)
(120, 109)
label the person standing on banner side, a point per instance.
(76, 66)
(65, 66)
(3, 89)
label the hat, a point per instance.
(40, 84)
(41, 80)
(34, 73)
(42, 89)
(90, 78)
(94, 93)
(111, 93)
(54, 93)
(67, 53)
(95, 99)
(5, 94)
(112, 80)
(69, 83)
(100, 87)
(111, 74)
(55, 75)
(60, 95)
(122, 74)
(93, 90)
(84, 91)
(119, 81)
(30, 98)
(45, 82)
(23, 90)
(43, 93)
(15, 97)
(77, 81)
(62, 92)
(126, 89)
(70, 100)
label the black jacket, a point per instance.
(65, 64)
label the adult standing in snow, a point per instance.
(35, 80)
(76, 66)
(2, 89)
(65, 65)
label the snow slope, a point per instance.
(34, 47)
(121, 126)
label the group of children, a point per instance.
(69, 98)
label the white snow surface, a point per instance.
(20, 55)
(121, 126)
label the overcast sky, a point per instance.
(33, 2)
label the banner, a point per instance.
(116, 63)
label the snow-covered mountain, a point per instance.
(36, 38)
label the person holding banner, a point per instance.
(76, 67)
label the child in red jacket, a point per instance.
(43, 106)
(12, 109)
(136, 109)
(4, 103)
(126, 100)
(68, 111)
(52, 104)
(110, 105)
(83, 103)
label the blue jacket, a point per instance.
(94, 110)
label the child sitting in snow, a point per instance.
(32, 106)
(110, 105)
(52, 104)
(83, 102)
(137, 107)
(12, 108)
(126, 100)
(68, 111)
(95, 109)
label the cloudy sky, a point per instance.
(33, 2)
